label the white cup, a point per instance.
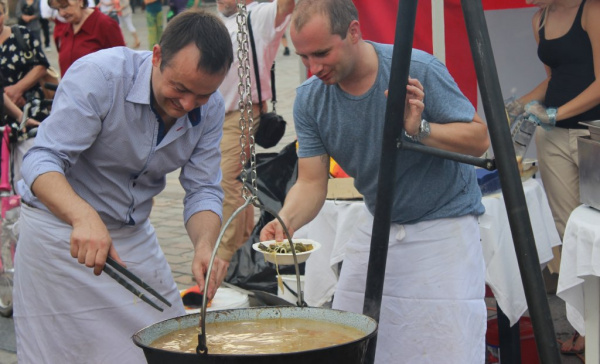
(290, 280)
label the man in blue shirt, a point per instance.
(432, 310)
(121, 121)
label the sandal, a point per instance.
(569, 347)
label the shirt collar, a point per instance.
(141, 90)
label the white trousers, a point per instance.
(127, 20)
(433, 308)
(63, 313)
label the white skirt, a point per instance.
(63, 313)
(433, 308)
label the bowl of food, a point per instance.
(279, 252)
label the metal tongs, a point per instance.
(110, 262)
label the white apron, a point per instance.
(63, 313)
(433, 308)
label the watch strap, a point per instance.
(424, 131)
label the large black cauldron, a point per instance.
(349, 353)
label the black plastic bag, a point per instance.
(276, 173)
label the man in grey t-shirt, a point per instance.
(432, 308)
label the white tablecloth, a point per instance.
(579, 269)
(335, 223)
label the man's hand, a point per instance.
(274, 231)
(414, 106)
(541, 115)
(202, 255)
(91, 243)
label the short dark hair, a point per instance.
(206, 31)
(340, 13)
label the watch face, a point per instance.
(424, 130)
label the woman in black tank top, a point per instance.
(568, 37)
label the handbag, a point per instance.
(51, 76)
(272, 126)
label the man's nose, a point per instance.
(315, 67)
(189, 103)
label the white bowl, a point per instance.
(287, 259)
(224, 299)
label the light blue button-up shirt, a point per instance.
(104, 137)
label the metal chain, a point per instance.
(245, 104)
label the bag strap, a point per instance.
(256, 72)
(274, 97)
(21, 42)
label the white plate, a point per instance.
(225, 298)
(287, 259)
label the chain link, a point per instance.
(245, 106)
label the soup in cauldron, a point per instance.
(265, 336)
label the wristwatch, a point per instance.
(424, 131)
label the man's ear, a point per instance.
(354, 31)
(156, 56)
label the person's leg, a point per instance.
(154, 23)
(160, 24)
(239, 230)
(127, 20)
(284, 43)
(559, 169)
(46, 32)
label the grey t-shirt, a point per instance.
(350, 129)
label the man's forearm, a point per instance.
(203, 228)
(54, 191)
(302, 204)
